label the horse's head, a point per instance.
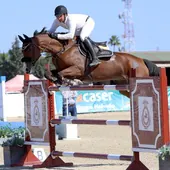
(33, 46)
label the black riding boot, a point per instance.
(95, 60)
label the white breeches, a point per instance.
(87, 29)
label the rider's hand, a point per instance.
(53, 35)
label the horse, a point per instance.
(71, 60)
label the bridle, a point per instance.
(56, 55)
(28, 59)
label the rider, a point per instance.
(78, 25)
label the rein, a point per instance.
(62, 51)
(65, 49)
(55, 55)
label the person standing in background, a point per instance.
(69, 103)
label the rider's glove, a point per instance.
(53, 35)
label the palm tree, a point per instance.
(114, 41)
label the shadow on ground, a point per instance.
(2, 167)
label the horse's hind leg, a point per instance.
(125, 93)
(120, 82)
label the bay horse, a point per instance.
(71, 62)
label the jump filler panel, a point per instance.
(36, 102)
(147, 134)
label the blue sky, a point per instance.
(150, 17)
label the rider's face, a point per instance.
(61, 18)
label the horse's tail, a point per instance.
(154, 70)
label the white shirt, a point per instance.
(70, 96)
(73, 22)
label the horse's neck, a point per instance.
(70, 44)
(65, 45)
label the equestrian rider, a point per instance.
(78, 25)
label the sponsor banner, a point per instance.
(2, 98)
(169, 98)
(99, 101)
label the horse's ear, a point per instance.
(22, 39)
(43, 30)
(35, 33)
(26, 37)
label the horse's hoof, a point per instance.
(77, 82)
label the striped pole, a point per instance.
(55, 154)
(87, 87)
(90, 122)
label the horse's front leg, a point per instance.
(70, 74)
(59, 79)
(54, 77)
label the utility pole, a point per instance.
(126, 18)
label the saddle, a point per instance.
(100, 48)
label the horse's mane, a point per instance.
(43, 31)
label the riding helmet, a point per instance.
(59, 10)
